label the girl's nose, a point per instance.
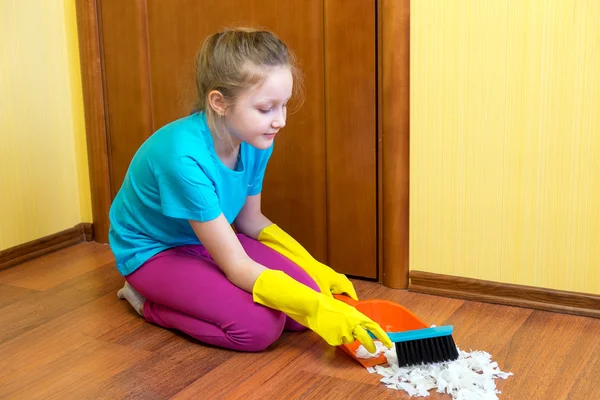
(279, 122)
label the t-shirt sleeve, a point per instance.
(186, 191)
(256, 182)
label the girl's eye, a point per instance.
(263, 111)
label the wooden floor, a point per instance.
(64, 334)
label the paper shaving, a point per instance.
(470, 377)
(363, 353)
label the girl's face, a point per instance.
(260, 112)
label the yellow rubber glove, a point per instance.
(333, 320)
(329, 281)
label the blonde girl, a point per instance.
(171, 231)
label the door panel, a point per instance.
(351, 126)
(320, 185)
(126, 83)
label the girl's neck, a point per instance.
(228, 153)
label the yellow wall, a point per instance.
(44, 184)
(505, 141)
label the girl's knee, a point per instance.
(291, 325)
(260, 331)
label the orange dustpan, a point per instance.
(392, 317)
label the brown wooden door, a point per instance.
(321, 185)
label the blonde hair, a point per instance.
(233, 61)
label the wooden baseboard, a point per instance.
(504, 293)
(79, 233)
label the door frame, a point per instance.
(393, 121)
(393, 129)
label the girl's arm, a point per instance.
(332, 319)
(220, 240)
(251, 221)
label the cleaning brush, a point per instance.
(424, 346)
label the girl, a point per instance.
(185, 267)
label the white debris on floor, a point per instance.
(361, 352)
(470, 377)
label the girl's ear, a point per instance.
(217, 102)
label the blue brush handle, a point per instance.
(425, 333)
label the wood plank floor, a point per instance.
(64, 334)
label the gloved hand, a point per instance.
(329, 281)
(333, 320)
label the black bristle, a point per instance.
(426, 351)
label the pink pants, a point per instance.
(187, 291)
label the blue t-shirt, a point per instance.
(176, 176)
